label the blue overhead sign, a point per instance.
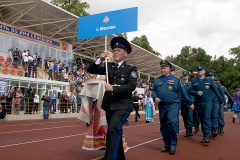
(107, 23)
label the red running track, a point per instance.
(61, 139)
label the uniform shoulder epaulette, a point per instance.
(176, 77)
(131, 65)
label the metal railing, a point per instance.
(32, 72)
(27, 106)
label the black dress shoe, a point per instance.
(172, 150)
(165, 149)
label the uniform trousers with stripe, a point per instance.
(114, 146)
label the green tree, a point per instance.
(230, 75)
(143, 42)
(228, 70)
(73, 6)
(235, 51)
(122, 35)
(190, 58)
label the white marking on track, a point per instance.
(43, 140)
(140, 144)
(38, 129)
(36, 123)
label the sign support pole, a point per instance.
(106, 59)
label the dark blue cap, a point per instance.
(165, 63)
(121, 42)
(200, 68)
(172, 68)
(210, 74)
(185, 73)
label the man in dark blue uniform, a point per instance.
(221, 121)
(117, 100)
(166, 92)
(172, 69)
(187, 113)
(201, 88)
(215, 105)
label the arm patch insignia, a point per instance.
(134, 74)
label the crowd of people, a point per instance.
(54, 69)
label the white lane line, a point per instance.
(139, 144)
(39, 129)
(36, 123)
(43, 140)
(141, 125)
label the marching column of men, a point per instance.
(202, 89)
(207, 95)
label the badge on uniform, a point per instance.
(122, 79)
(181, 83)
(169, 87)
(134, 74)
(207, 86)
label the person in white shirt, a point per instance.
(25, 59)
(30, 58)
(36, 103)
(24, 54)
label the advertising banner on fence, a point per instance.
(3, 86)
(32, 36)
(107, 23)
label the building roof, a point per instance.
(47, 19)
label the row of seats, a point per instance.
(8, 67)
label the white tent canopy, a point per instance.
(47, 19)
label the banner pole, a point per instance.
(106, 59)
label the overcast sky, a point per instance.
(213, 25)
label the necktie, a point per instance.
(116, 65)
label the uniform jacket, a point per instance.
(170, 91)
(186, 87)
(206, 86)
(220, 90)
(125, 80)
(230, 97)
